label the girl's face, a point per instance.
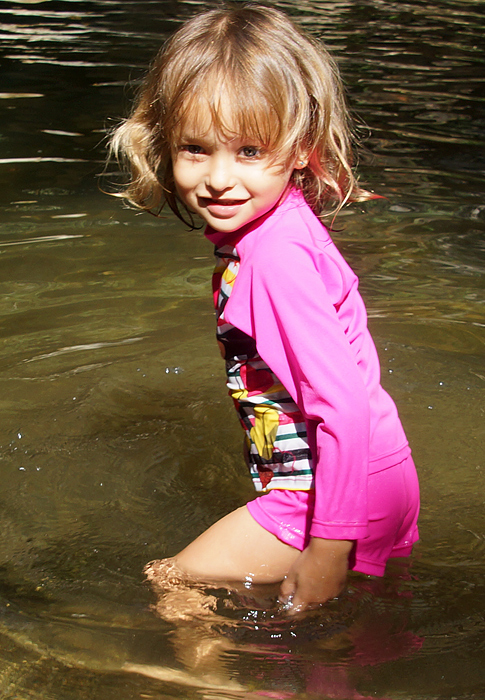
(229, 182)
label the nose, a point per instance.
(220, 174)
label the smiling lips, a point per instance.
(224, 208)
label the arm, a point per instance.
(300, 335)
(318, 574)
(298, 299)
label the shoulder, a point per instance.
(291, 232)
(292, 249)
(294, 222)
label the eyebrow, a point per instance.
(193, 136)
(188, 136)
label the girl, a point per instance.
(242, 122)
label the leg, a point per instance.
(237, 548)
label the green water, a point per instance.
(117, 441)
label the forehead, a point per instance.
(229, 115)
(199, 117)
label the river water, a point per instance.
(117, 440)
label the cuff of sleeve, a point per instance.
(338, 531)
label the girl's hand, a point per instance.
(317, 575)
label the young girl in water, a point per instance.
(242, 122)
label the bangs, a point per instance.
(236, 108)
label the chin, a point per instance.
(224, 225)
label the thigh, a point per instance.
(237, 548)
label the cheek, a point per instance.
(177, 173)
(276, 185)
(180, 183)
(183, 172)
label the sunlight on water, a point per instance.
(118, 443)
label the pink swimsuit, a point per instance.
(304, 374)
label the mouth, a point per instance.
(222, 207)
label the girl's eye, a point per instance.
(251, 151)
(192, 148)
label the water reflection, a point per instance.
(107, 327)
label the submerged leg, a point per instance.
(235, 550)
(198, 644)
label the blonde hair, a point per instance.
(284, 90)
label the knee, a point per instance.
(165, 574)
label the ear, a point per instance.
(301, 162)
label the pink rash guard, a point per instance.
(298, 298)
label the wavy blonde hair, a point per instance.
(284, 90)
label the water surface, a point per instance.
(118, 442)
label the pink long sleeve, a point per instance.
(298, 298)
